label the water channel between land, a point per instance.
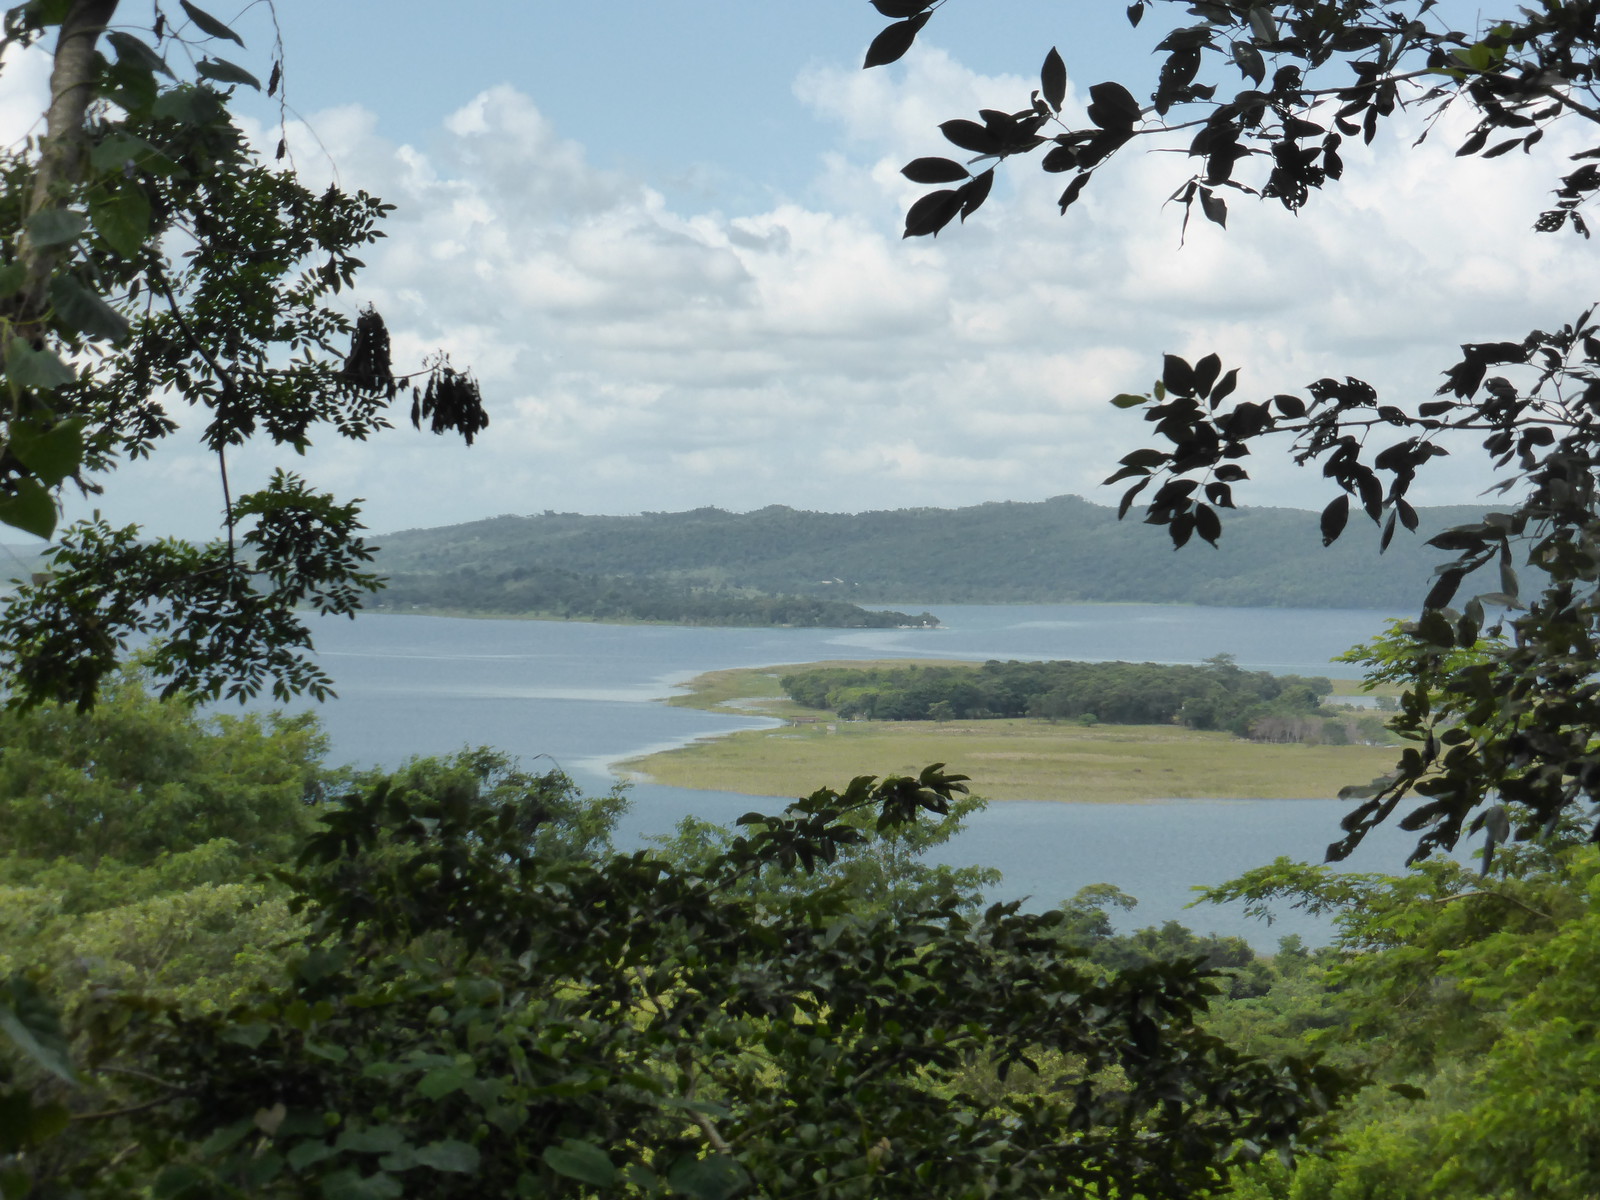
(584, 696)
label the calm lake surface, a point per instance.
(582, 697)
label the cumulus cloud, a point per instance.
(637, 357)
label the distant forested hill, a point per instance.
(542, 591)
(1060, 550)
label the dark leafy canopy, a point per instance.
(1261, 98)
(147, 256)
(472, 1010)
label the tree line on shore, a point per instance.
(1215, 695)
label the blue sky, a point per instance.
(666, 237)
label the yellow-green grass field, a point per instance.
(1007, 759)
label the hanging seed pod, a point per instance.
(368, 369)
(450, 401)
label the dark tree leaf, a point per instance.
(899, 9)
(1074, 190)
(1178, 375)
(1136, 13)
(1206, 523)
(1214, 206)
(934, 170)
(1205, 374)
(209, 24)
(969, 135)
(224, 71)
(1334, 518)
(1053, 79)
(1444, 591)
(1112, 106)
(1249, 61)
(1060, 158)
(892, 43)
(975, 193)
(932, 213)
(131, 49)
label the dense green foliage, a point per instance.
(1057, 551)
(454, 987)
(1218, 695)
(553, 592)
(151, 258)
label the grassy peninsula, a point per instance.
(1009, 759)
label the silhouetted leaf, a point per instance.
(224, 71)
(892, 43)
(1112, 106)
(975, 193)
(1214, 206)
(1053, 79)
(898, 9)
(969, 135)
(934, 170)
(1074, 190)
(1444, 590)
(1249, 61)
(1334, 518)
(131, 49)
(209, 24)
(1178, 375)
(932, 213)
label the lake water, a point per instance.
(583, 696)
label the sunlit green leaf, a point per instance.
(583, 1161)
(56, 227)
(39, 370)
(123, 220)
(84, 311)
(51, 454)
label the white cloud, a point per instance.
(635, 357)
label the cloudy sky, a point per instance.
(666, 238)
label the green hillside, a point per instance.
(1060, 550)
